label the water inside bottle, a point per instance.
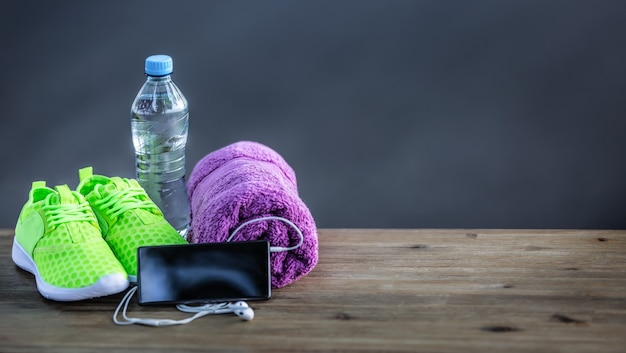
(159, 141)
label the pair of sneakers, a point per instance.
(82, 243)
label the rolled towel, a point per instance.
(244, 181)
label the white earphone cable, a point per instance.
(147, 321)
(270, 218)
(124, 302)
(241, 309)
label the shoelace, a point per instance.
(118, 202)
(63, 213)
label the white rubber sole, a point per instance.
(107, 285)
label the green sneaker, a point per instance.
(127, 216)
(57, 239)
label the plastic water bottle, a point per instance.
(159, 124)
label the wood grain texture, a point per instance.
(374, 290)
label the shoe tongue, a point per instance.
(119, 183)
(66, 196)
(112, 185)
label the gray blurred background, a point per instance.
(395, 114)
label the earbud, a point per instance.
(246, 314)
(240, 309)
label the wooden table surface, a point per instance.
(374, 290)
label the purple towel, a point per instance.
(244, 181)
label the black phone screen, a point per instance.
(208, 272)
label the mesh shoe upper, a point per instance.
(57, 238)
(127, 216)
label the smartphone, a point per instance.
(203, 273)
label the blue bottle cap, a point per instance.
(159, 65)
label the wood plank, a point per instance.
(375, 290)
